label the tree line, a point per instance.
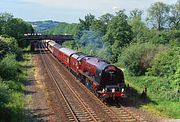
(149, 50)
(12, 75)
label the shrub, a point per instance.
(15, 106)
(4, 94)
(9, 45)
(165, 63)
(158, 88)
(9, 67)
(14, 85)
(11, 102)
(137, 57)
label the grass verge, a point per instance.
(12, 103)
(159, 101)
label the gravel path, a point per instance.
(37, 104)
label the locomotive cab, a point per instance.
(112, 82)
(112, 77)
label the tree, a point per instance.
(176, 82)
(106, 18)
(174, 19)
(17, 28)
(9, 45)
(139, 29)
(99, 26)
(136, 13)
(4, 96)
(118, 34)
(14, 27)
(165, 63)
(85, 24)
(9, 67)
(4, 18)
(138, 57)
(158, 15)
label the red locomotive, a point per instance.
(102, 78)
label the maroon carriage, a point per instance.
(104, 79)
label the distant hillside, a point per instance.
(64, 28)
(42, 26)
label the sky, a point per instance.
(71, 10)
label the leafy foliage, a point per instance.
(106, 18)
(137, 57)
(8, 67)
(9, 45)
(118, 34)
(159, 88)
(14, 27)
(4, 18)
(11, 102)
(165, 64)
(176, 80)
(71, 44)
(99, 26)
(63, 28)
(4, 95)
(140, 32)
(158, 15)
(11, 94)
(136, 13)
(174, 20)
(86, 24)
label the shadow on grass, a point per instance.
(27, 51)
(28, 115)
(132, 99)
(32, 112)
(37, 51)
(37, 115)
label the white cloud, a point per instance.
(85, 4)
(59, 9)
(100, 5)
(115, 8)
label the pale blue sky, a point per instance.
(70, 10)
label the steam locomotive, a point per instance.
(102, 78)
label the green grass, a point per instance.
(164, 108)
(13, 100)
(161, 100)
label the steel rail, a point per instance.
(76, 95)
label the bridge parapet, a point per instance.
(34, 38)
(50, 37)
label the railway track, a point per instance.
(74, 107)
(78, 104)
